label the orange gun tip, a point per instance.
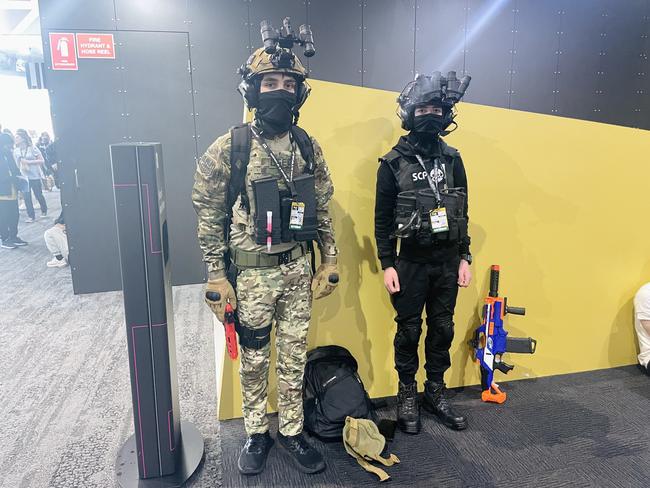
(495, 267)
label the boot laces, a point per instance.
(256, 443)
(408, 398)
(299, 444)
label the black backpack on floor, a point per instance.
(332, 390)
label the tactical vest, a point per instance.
(416, 199)
(272, 214)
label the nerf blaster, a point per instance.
(229, 325)
(491, 341)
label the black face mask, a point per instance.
(274, 111)
(428, 124)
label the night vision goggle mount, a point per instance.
(285, 38)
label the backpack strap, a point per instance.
(240, 151)
(305, 146)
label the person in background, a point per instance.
(8, 201)
(56, 241)
(30, 161)
(9, 133)
(642, 325)
(46, 147)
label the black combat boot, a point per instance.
(252, 458)
(435, 402)
(304, 456)
(408, 409)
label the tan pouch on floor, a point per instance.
(363, 441)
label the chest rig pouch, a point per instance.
(287, 215)
(414, 206)
(413, 210)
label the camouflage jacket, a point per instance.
(209, 198)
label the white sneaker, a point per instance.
(57, 263)
(30, 220)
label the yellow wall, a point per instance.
(561, 204)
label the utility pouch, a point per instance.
(453, 200)
(267, 199)
(306, 195)
(285, 211)
(407, 215)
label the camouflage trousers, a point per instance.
(280, 294)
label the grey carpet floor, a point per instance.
(65, 400)
(580, 430)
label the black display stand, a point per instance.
(163, 452)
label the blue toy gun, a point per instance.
(491, 341)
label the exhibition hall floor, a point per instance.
(66, 404)
(64, 373)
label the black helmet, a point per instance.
(437, 90)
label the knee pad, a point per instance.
(254, 338)
(444, 326)
(409, 333)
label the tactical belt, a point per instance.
(256, 259)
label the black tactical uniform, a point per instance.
(427, 263)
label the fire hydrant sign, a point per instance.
(95, 46)
(63, 51)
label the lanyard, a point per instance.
(432, 184)
(288, 180)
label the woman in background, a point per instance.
(30, 161)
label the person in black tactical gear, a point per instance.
(421, 199)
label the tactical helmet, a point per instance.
(281, 61)
(437, 90)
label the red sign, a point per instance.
(95, 45)
(63, 51)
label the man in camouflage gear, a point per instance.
(268, 289)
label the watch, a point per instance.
(466, 257)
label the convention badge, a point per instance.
(438, 218)
(297, 215)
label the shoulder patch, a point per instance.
(207, 165)
(220, 148)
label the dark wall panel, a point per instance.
(337, 35)
(152, 15)
(152, 118)
(489, 58)
(388, 43)
(440, 36)
(624, 43)
(582, 24)
(219, 45)
(73, 15)
(536, 42)
(642, 82)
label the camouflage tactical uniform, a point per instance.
(279, 293)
